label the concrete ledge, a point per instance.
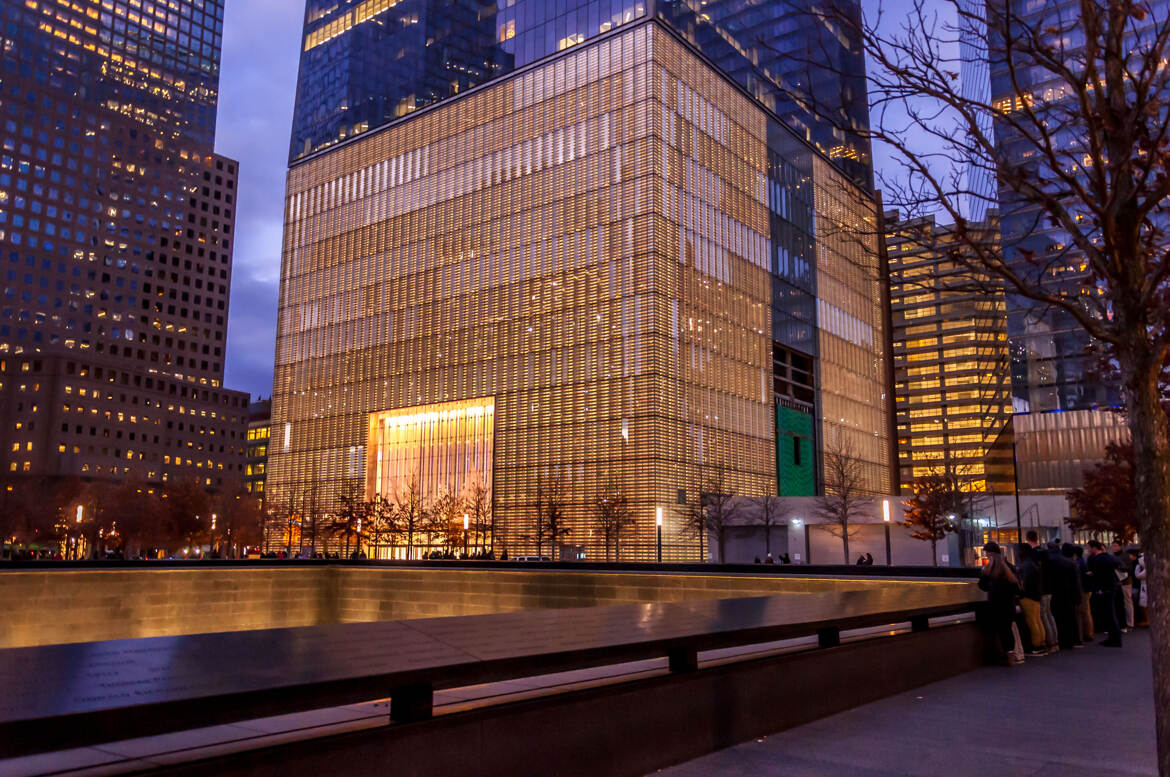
(630, 728)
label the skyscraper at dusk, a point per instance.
(560, 244)
(116, 232)
(1063, 398)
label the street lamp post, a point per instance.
(658, 525)
(77, 544)
(466, 526)
(1016, 481)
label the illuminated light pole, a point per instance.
(77, 542)
(466, 526)
(658, 525)
(886, 520)
(1016, 482)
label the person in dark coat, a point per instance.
(1064, 581)
(1031, 594)
(1003, 588)
(1103, 567)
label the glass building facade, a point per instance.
(116, 231)
(1053, 368)
(952, 381)
(366, 62)
(607, 253)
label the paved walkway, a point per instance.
(1079, 712)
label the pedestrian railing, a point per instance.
(74, 695)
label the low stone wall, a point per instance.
(49, 606)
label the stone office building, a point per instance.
(116, 230)
(600, 269)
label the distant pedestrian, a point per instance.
(1003, 588)
(757, 559)
(869, 559)
(1103, 567)
(769, 560)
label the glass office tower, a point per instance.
(1065, 400)
(571, 273)
(952, 382)
(116, 221)
(366, 62)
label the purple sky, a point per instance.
(261, 42)
(261, 46)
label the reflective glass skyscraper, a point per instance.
(1059, 389)
(365, 62)
(116, 231)
(598, 259)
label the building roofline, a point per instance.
(649, 19)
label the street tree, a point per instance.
(348, 515)
(477, 498)
(933, 509)
(1106, 503)
(613, 517)
(383, 526)
(411, 512)
(771, 513)
(721, 509)
(446, 521)
(551, 522)
(846, 498)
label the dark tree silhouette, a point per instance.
(1106, 503)
(612, 517)
(846, 498)
(933, 509)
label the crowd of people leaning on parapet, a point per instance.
(1060, 596)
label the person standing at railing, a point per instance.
(1003, 588)
(1031, 598)
(1103, 568)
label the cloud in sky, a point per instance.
(261, 44)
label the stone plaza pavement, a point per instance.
(1079, 712)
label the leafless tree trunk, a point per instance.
(845, 498)
(771, 508)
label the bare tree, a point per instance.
(411, 511)
(933, 507)
(771, 509)
(722, 511)
(347, 518)
(692, 519)
(551, 522)
(446, 521)
(612, 516)
(1079, 144)
(382, 525)
(846, 498)
(477, 498)
(715, 512)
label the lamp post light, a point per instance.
(658, 526)
(466, 526)
(886, 526)
(77, 543)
